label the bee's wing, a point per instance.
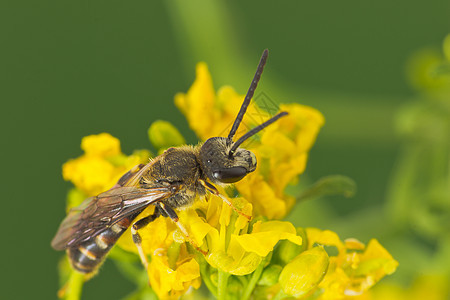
(98, 213)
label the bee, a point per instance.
(171, 181)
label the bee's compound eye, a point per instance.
(230, 175)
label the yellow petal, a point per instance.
(214, 210)
(354, 244)
(91, 174)
(154, 235)
(287, 172)
(220, 260)
(335, 282)
(102, 145)
(266, 235)
(171, 284)
(246, 265)
(196, 226)
(324, 237)
(262, 196)
(198, 103)
(376, 261)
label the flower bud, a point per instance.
(74, 198)
(163, 135)
(447, 47)
(288, 250)
(305, 272)
(270, 275)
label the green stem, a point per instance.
(280, 295)
(243, 280)
(222, 285)
(74, 286)
(206, 275)
(255, 277)
(402, 187)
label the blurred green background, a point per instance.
(73, 68)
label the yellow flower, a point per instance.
(225, 237)
(355, 268)
(282, 155)
(230, 244)
(102, 164)
(170, 273)
(220, 233)
(281, 152)
(98, 170)
(156, 235)
(235, 250)
(100, 145)
(169, 283)
(210, 114)
(233, 245)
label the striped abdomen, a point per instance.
(87, 256)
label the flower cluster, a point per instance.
(264, 257)
(102, 164)
(354, 268)
(281, 151)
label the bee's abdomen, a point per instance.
(87, 256)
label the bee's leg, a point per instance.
(137, 239)
(174, 217)
(212, 189)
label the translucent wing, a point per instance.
(98, 213)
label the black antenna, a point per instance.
(248, 97)
(256, 130)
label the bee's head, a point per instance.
(223, 166)
(222, 160)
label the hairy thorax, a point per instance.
(177, 166)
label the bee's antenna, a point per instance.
(248, 97)
(255, 130)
